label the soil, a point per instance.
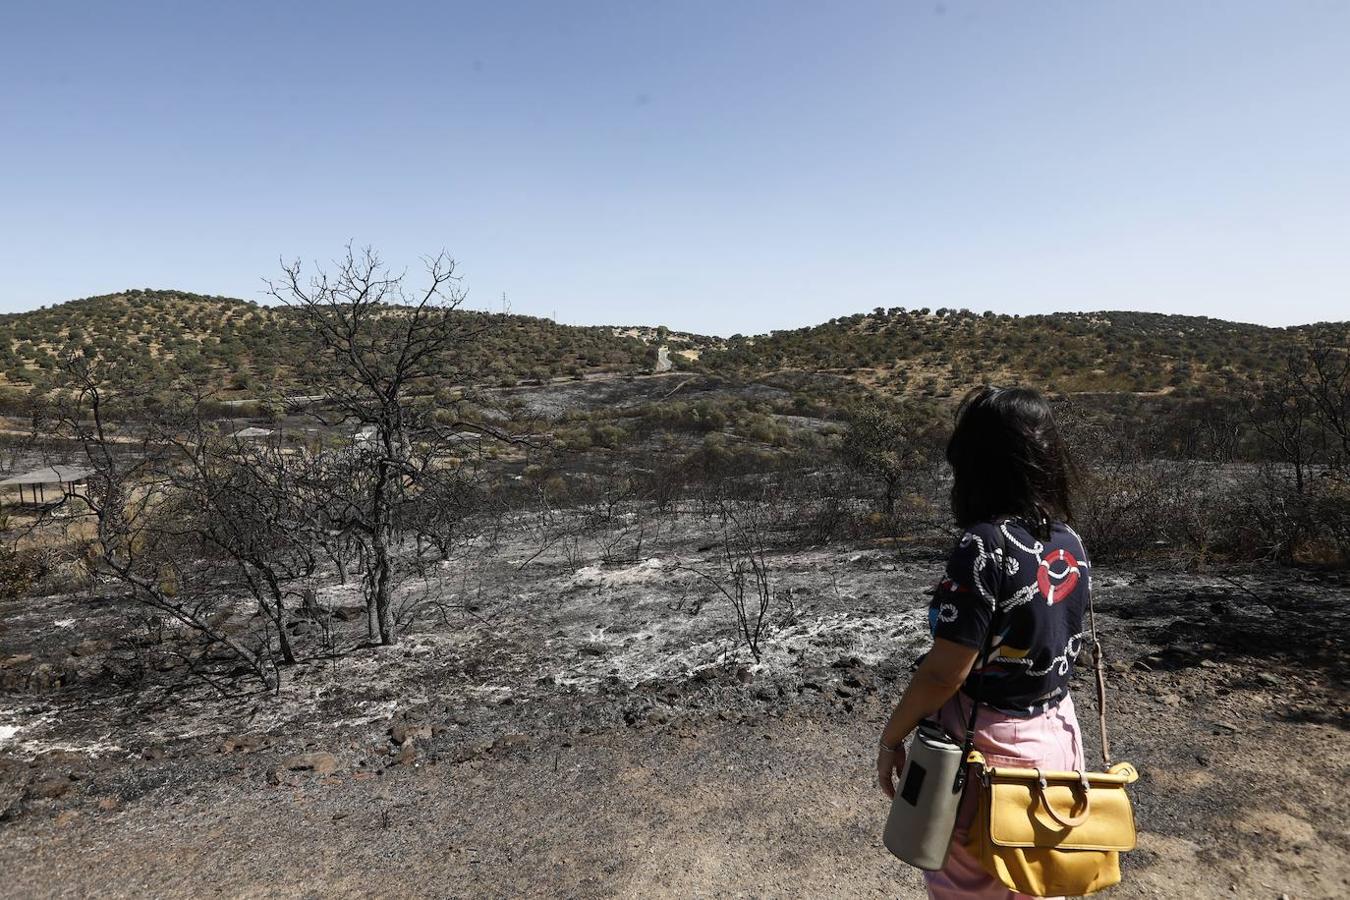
(552, 725)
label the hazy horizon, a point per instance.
(714, 168)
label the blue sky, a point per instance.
(728, 166)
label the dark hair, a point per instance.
(1009, 460)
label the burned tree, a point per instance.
(381, 349)
(133, 498)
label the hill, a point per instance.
(243, 348)
(935, 353)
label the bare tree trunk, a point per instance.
(372, 619)
(283, 639)
(382, 567)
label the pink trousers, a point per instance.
(1048, 741)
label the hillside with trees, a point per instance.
(939, 353)
(235, 348)
(240, 349)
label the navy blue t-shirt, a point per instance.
(1034, 592)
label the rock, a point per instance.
(300, 628)
(90, 647)
(49, 788)
(744, 675)
(1225, 728)
(1268, 679)
(1170, 699)
(1208, 664)
(810, 686)
(658, 717)
(511, 741)
(318, 762)
(108, 804)
(1180, 653)
(153, 752)
(843, 691)
(403, 732)
(244, 743)
(44, 677)
(471, 751)
(17, 660)
(406, 756)
(766, 693)
(349, 613)
(592, 649)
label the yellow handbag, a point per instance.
(1052, 833)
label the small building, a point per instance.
(60, 479)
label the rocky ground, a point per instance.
(553, 726)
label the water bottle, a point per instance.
(923, 813)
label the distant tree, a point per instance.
(1323, 377)
(889, 445)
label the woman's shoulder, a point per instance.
(986, 530)
(1063, 535)
(1014, 533)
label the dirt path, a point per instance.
(769, 807)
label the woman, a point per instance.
(1007, 621)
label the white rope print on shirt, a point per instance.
(1020, 596)
(1060, 664)
(1035, 549)
(982, 559)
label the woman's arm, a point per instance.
(938, 677)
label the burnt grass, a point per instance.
(554, 725)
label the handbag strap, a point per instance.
(982, 659)
(1097, 668)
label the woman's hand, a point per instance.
(890, 763)
(939, 676)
